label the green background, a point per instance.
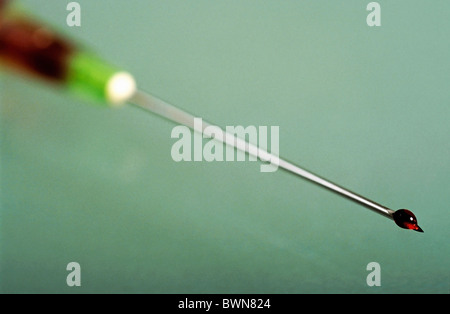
(366, 107)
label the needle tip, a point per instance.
(406, 219)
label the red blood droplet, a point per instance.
(406, 219)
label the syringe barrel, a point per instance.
(33, 48)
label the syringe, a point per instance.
(33, 48)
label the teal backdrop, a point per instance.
(366, 107)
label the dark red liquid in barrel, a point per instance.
(34, 49)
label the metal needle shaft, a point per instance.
(172, 113)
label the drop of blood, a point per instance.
(406, 219)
